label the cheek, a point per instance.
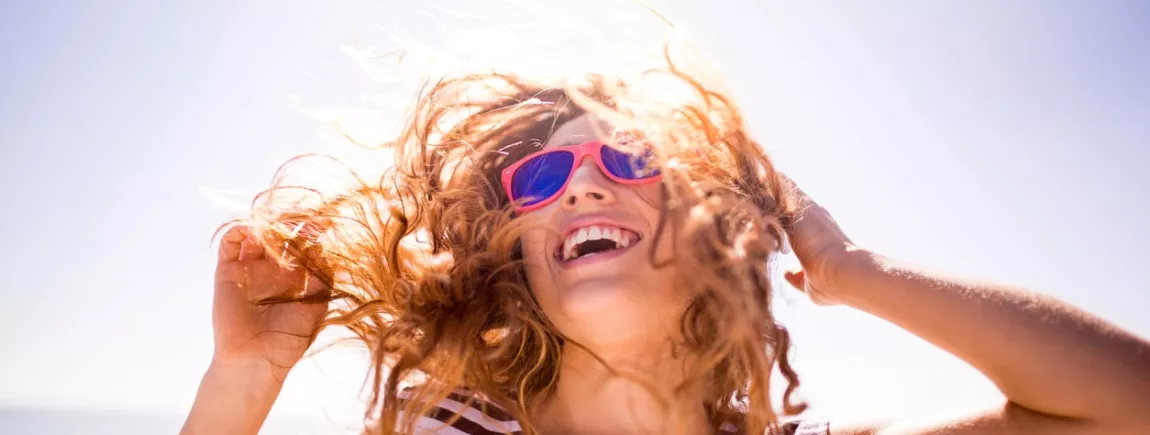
(534, 243)
(649, 204)
(650, 195)
(537, 262)
(537, 232)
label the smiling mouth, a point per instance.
(595, 239)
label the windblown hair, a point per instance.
(424, 263)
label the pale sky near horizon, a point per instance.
(997, 140)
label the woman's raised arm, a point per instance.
(255, 345)
(1061, 368)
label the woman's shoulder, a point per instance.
(463, 412)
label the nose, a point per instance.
(588, 186)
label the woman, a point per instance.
(591, 256)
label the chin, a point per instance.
(595, 298)
(602, 311)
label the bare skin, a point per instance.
(255, 346)
(625, 311)
(1062, 370)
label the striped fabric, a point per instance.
(479, 417)
(475, 417)
(808, 427)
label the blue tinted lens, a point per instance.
(629, 166)
(541, 177)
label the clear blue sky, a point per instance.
(1001, 140)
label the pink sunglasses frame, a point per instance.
(581, 151)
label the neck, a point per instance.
(628, 389)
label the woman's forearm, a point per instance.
(1043, 354)
(233, 399)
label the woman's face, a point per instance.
(587, 255)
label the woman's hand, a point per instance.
(1019, 339)
(827, 255)
(256, 344)
(273, 336)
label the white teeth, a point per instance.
(622, 239)
(568, 249)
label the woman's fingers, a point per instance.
(314, 285)
(246, 266)
(238, 244)
(794, 190)
(803, 201)
(264, 279)
(251, 249)
(231, 242)
(797, 279)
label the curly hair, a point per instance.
(424, 264)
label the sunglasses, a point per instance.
(542, 177)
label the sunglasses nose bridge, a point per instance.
(586, 158)
(588, 183)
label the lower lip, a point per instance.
(586, 261)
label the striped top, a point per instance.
(480, 417)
